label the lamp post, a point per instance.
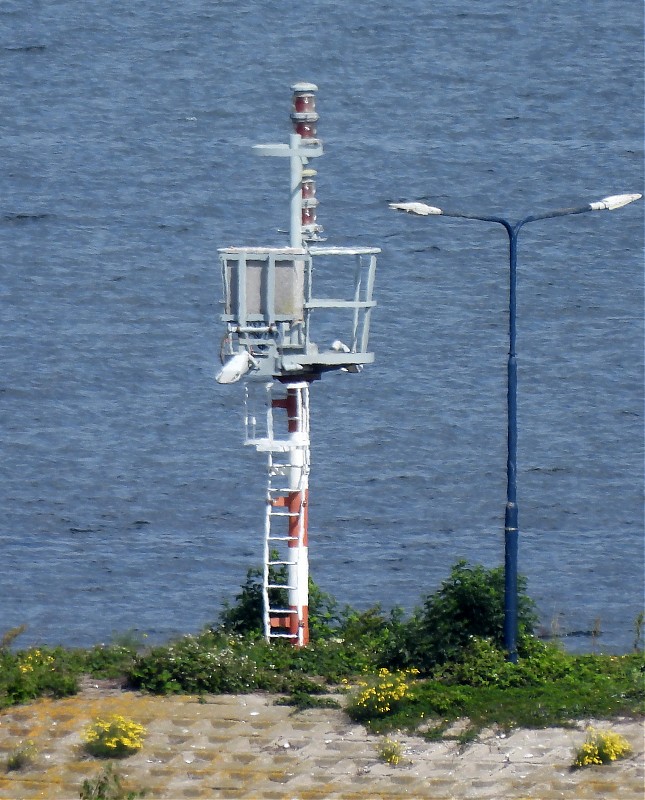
(511, 521)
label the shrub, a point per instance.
(383, 637)
(208, 663)
(246, 615)
(542, 662)
(435, 699)
(601, 747)
(114, 737)
(28, 674)
(332, 659)
(108, 661)
(483, 663)
(469, 603)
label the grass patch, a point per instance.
(302, 701)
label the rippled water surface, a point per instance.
(127, 498)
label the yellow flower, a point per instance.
(382, 695)
(601, 747)
(33, 659)
(115, 736)
(390, 751)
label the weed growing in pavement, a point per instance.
(114, 737)
(22, 756)
(601, 747)
(390, 751)
(107, 786)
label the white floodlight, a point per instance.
(236, 367)
(614, 201)
(417, 208)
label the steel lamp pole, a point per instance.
(511, 522)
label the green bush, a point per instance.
(470, 603)
(331, 659)
(108, 661)
(385, 638)
(245, 616)
(216, 663)
(209, 663)
(483, 663)
(28, 674)
(480, 664)
(56, 671)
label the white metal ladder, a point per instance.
(285, 528)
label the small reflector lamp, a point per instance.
(308, 184)
(308, 216)
(303, 115)
(304, 103)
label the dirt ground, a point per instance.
(245, 746)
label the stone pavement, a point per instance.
(245, 746)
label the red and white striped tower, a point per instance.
(296, 502)
(304, 226)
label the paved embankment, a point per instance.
(246, 747)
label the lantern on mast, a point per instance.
(272, 342)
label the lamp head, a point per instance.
(614, 201)
(236, 367)
(416, 208)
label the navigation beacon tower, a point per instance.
(272, 318)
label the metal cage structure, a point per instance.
(270, 310)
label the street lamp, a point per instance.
(511, 523)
